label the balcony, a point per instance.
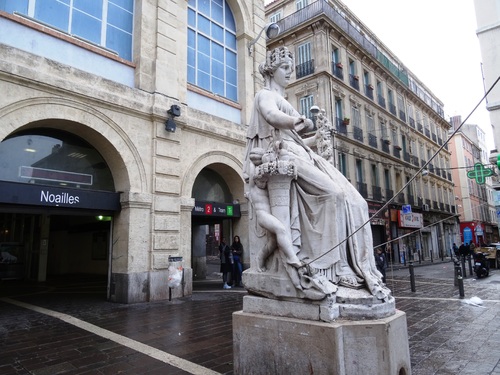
(354, 81)
(412, 122)
(386, 147)
(406, 157)
(427, 133)
(400, 198)
(402, 115)
(304, 69)
(358, 133)
(362, 189)
(435, 205)
(434, 137)
(410, 200)
(369, 91)
(381, 101)
(392, 109)
(377, 193)
(341, 126)
(415, 161)
(389, 194)
(338, 70)
(372, 140)
(396, 151)
(420, 128)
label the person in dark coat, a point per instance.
(237, 251)
(226, 261)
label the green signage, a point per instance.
(479, 173)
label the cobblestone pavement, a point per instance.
(69, 328)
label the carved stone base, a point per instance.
(265, 344)
(348, 303)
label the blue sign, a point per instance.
(406, 209)
(467, 235)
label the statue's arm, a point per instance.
(274, 116)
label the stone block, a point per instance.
(265, 344)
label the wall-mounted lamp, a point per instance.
(174, 111)
(272, 30)
(425, 172)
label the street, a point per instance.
(68, 328)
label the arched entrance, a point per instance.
(57, 200)
(212, 219)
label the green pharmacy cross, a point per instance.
(479, 173)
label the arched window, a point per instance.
(212, 61)
(107, 23)
(54, 158)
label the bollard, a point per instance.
(412, 277)
(464, 273)
(470, 264)
(457, 272)
(461, 286)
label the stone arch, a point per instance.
(99, 130)
(226, 165)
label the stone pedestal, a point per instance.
(267, 344)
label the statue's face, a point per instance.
(283, 73)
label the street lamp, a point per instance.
(272, 30)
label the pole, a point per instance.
(412, 277)
(464, 274)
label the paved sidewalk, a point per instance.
(69, 328)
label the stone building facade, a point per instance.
(104, 80)
(390, 132)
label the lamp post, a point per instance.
(272, 30)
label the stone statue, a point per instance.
(309, 233)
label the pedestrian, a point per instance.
(381, 263)
(226, 261)
(237, 251)
(463, 249)
(455, 249)
(472, 249)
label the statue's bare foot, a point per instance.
(349, 281)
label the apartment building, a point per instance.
(390, 130)
(122, 128)
(474, 197)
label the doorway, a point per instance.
(35, 247)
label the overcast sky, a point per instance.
(436, 40)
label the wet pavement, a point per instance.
(68, 328)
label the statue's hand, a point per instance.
(303, 124)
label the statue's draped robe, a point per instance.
(321, 217)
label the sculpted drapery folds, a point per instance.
(311, 219)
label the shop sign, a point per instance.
(216, 209)
(55, 196)
(411, 220)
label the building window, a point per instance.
(301, 4)
(275, 17)
(53, 158)
(107, 23)
(343, 164)
(212, 56)
(305, 63)
(305, 105)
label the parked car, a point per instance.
(492, 252)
